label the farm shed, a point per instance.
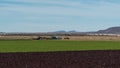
(56, 37)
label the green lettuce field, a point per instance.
(56, 45)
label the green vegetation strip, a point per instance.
(56, 45)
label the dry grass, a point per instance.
(77, 38)
(16, 37)
(95, 38)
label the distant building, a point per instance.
(56, 37)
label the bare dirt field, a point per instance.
(77, 38)
(76, 59)
(16, 37)
(95, 38)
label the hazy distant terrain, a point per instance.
(111, 30)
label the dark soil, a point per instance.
(76, 59)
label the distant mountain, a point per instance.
(73, 31)
(62, 31)
(112, 30)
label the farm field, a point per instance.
(72, 59)
(56, 45)
(59, 54)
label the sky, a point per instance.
(55, 15)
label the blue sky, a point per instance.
(54, 15)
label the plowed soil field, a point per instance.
(64, 59)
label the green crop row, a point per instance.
(56, 45)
